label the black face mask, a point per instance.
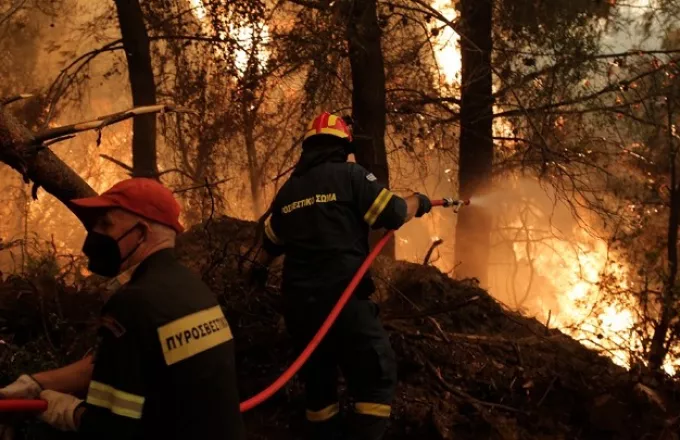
(104, 253)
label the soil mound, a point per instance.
(468, 368)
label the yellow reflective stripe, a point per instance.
(116, 409)
(270, 231)
(94, 385)
(117, 401)
(325, 414)
(378, 206)
(373, 409)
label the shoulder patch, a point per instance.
(112, 325)
(371, 177)
(193, 334)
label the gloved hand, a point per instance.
(25, 387)
(6, 432)
(424, 205)
(258, 276)
(61, 410)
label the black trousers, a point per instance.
(359, 347)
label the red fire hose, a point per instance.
(23, 406)
(38, 406)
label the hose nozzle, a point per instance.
(456, 204)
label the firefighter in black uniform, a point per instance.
(321, 219)
(164, 365)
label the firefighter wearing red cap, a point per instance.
(320, 220)
(164, 364)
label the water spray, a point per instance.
(39, 406)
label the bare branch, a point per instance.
(434, 246)
(60, 84)
(207, 185)
(178, 171)
(12, 99)
(59, 139)
(526, 79)
(12, 10)
(66, 78)
(117, 162)
(611, 88)
(320, 5)
(104, 121)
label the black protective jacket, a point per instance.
(321, 219)
(164, 364)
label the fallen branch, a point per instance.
(19, 150)
(434, 245)
(438, 311)
(104, 121)
(12, 99)
(547, 391)
(476, 403)
(476, 339)
(415, 306)
(526, 326)
(413, 335)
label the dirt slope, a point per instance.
(477, 371)
(468, 369)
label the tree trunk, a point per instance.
(476, 138)
(253, 165)
(368, 92)
(38, 164)
(658, 349)
(140, 71)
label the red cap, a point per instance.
(147, 198)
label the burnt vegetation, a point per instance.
(561, 116)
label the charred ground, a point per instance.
(468, 368)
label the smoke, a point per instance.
(38, 43)
(544, 260)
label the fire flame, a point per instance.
(447, 43)
(247, 36)
(574, 267)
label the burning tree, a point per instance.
(611, 149)
(646, 182)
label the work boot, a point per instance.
(331, 429)
(365, 427)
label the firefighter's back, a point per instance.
(326, 236)
(189, 366)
